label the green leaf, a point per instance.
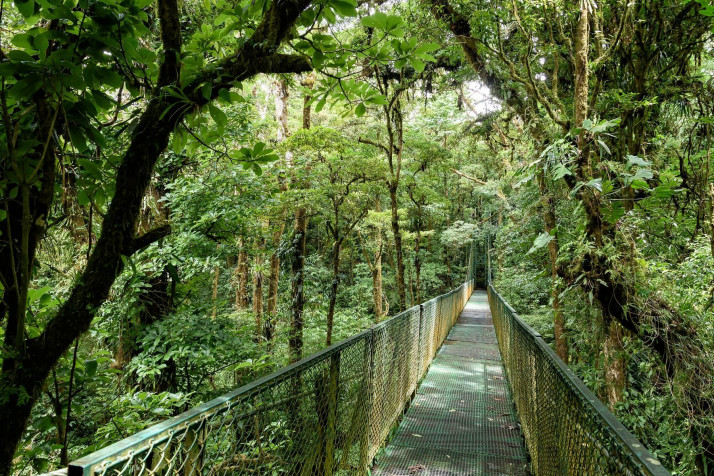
(378, 21)
(78, 140)
(603, 146)
(418, 65)
(602, 126)
(595, 183)
(377, 99)
(90, 167)
(90, 367)
(82, 197)
(426, 48)
(664, 191)
(426, 57)
(587, 124)
(23, 40)
(614, 212)
(26, 8)
(393, 22)
(225, 95)
(634, 160)
(542, 240)
(345, 8)
(206, 91)
(218, 116)
(561, 171)
(41, 44)
(178, 142)
(360, 110)
(639, 180)
(607, 186)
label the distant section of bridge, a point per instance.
(462, 420)
(432, 391)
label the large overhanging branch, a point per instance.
(163, 113)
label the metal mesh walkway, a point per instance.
(462, 420)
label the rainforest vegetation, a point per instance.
(196, 193)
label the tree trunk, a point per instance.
(561, 341)
(613, 351)
(711, 217)
(614, 356)
(214, 291)
(401, 289)
(377, 293)
(417, 262)
(273, 281)
(70, 206)
(281, 115)
(298, 287)
(241, 273)
(258, 293)
(333, 290)
(299, 248)
(377, 288)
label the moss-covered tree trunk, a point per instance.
(549, 221)
(241, 278)
(299, 249)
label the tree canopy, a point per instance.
(196, 193)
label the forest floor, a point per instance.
(462, 420)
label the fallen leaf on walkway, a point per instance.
(417, 468)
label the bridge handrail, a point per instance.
(331, 410)
(568, 430)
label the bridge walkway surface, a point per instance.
(462, 420)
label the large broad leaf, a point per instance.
(344, 8)
(418, 65)
(561, 171)
(218, 116)
(26, 8)
(378, 21)
(542, 240)
(638, 161)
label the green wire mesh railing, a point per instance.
(327, 414)
(568, 431)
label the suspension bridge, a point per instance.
(458, 385)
